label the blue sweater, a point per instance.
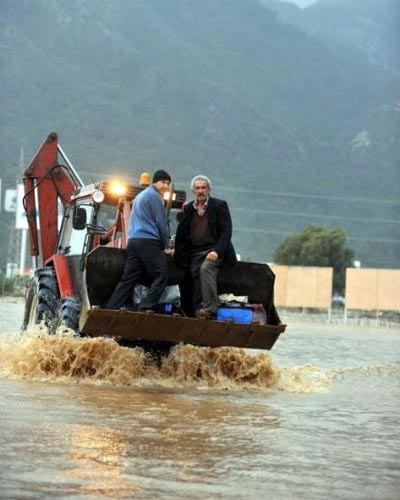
(148, 218)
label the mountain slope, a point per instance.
(219, 87)
(369, 28)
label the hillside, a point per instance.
(370, 28)
(279, 120)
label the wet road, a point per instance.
(87, 419)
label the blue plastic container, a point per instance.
(236, 314)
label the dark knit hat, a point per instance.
(161, 175)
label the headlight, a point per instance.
(98, 196)
(116, 188)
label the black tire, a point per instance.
(41, 300)
(43, 303)
(69, 312)
(48, 298)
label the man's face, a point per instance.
(200, 190)
(162, 186)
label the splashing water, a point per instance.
(36, 355)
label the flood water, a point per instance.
(317, 417)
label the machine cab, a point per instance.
(99, 215)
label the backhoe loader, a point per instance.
(78, 236)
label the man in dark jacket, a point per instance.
(203, 243)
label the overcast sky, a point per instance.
(302, 3)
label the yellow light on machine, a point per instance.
(117, 188)
(144, 179)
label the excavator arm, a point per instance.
(46, 181)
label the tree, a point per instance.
(318, 246)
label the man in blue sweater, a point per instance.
(148, 236)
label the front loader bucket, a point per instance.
(103, 268)
(175, 329)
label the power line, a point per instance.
(299, 195)
(318, 216)
(309, 195)
(288, 233)
(373, 240)
(261, 231)
(184, 184)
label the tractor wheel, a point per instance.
(43, 303)
(42, 300)
(48, 298)
(69, 312)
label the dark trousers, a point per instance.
(204, 278)
(144, 258)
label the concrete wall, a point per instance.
(366, 289)
(373, 289)
(297, 286)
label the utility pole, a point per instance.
(14, 246)
(24, 232)
(17, 240)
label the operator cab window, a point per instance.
(77, 239)
(105, 216)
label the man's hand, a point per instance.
(170, 251)
(212, 255)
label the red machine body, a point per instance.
(46, 181)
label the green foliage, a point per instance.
(318, 246)
(13, 286)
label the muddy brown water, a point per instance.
(317, 417)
